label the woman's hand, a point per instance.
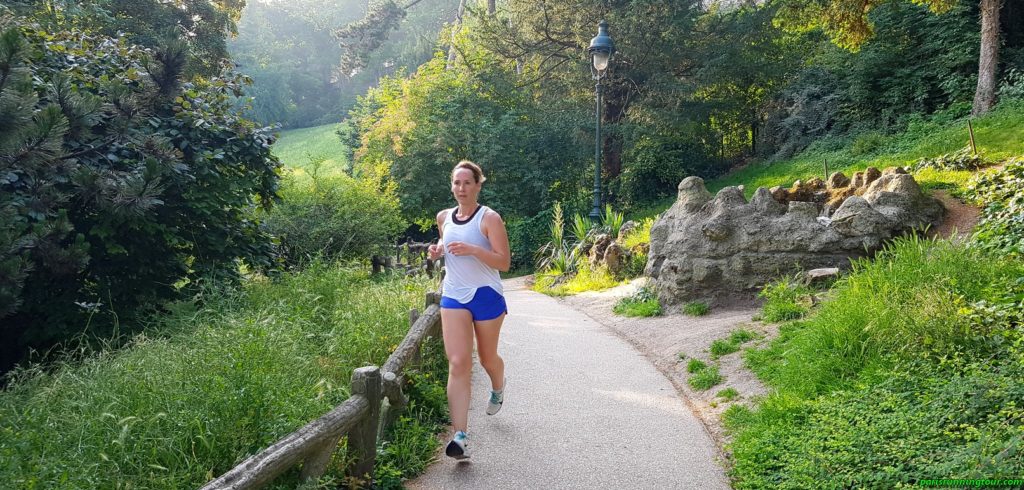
(462, 249)
(435, 250)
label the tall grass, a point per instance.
(903, 373)
(205, 388)
(903, 304)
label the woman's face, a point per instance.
(464, 187)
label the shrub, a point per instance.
(962, 159)
(867, 143)
(1002, 224)
(336, 217)
(121, 182)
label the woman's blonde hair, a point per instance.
(478, 175)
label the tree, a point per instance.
(848, 24)
(119, 182)
(203, 24)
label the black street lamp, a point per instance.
(601, 50)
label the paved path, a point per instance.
(583, 410)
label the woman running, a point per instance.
(474, 244)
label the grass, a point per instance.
(998, 134)
(726, 346)
(644, 303)
(705, 379)
(586, 279)
(910, 356)
(695, 365)
(728, 394)
(633, 308)
(696, 308)
(297, 147)
(785, 299)
(207, 386)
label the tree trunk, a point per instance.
(491, 7)
(455, 33)
(985, 95)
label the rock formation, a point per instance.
(712, 248)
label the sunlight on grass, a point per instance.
(998, 134)
(295, 147)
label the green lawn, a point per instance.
(297, 148)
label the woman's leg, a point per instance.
(487, 333)
(457, 329)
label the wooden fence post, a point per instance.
(362, 439)
(394, 402)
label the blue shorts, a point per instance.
(486, 304)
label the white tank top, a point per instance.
(465, 274)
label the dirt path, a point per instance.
(583, 410)
(670, 341)
(960, 217)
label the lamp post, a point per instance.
(601, 50)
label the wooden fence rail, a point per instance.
(375, 403)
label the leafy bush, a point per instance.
(643, 303)
(867, 143)
(963, 159)
(1012, 86)
(336, 217)
(1002, 223)
(118, 182)
(657, 163)
(411, 139)
(525, 237)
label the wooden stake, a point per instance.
(825, 161)
(970, 130)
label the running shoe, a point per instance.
(458, 448)
(497, 398)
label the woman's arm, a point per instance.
(436, 250)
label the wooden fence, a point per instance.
(375, 403)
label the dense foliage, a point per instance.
(203, 25)
(1002, 195)
(333, 217)
(415, 129)
(308, 71)
(119, 181)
